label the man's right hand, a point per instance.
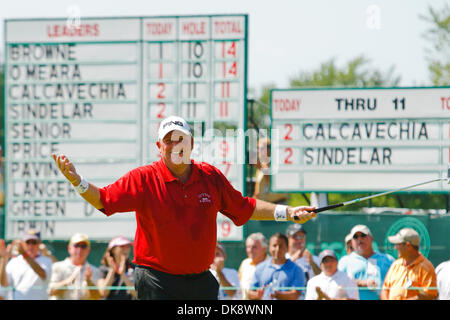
(67, 169)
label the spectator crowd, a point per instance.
(29, 271)
(280, 267)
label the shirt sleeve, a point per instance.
(55, 276)
(96, 274)
(387, 281)
(46, 265)
(124, 195)
(352, 289)
(299, 277)
(233, 204)
(429, 282)
(311, 293)
(255, 282)
(342, 264)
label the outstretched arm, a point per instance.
(92, 195)
(265, 211)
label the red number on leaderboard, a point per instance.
(162, 88)
(160, 70)
(223, 108)
(227, 168)
(225, 86)
(225, 228)
(289, 153)
(231, 51)
(289, 129)
(231, 70)
(223, 146)
(162, 108)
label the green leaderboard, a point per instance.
(372, 139)
(96, 90)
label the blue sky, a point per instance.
(286, 36)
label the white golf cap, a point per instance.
(118, 242)
(360, 228)
(348, 238)
(327, 253)
(79, 237)
(406, 235)
(173, 123)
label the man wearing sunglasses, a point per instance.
(365, 265)
(411, 276)
(74, 278)
(28, 273)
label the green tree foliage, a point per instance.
(356, 73)
(438, 34)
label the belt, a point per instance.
(187, 275)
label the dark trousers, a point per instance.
(152, 284)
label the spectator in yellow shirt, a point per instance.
(411, 276)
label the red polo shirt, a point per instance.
(176, 222)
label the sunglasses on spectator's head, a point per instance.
(81, 245)
(361, 235)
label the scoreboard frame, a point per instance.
(141, 116)
(320, 111)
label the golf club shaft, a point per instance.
(375, 195)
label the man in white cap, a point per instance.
(365, 265)
(176, 201)
(348, 243)
(331, 284)
(411, 276)
(298, 252)
(29, 272)
(71, 277)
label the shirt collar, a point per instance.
(165, 172)
(358, 256)
(418, 260)
(255, 264)
(168, 176)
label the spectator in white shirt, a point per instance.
(443, 280)
(228, 278)
(75, 278)
(331, 284)
(28, 273)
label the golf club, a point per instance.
(346, 203)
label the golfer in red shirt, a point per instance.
(176, 201)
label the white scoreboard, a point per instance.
(97, 92)
(339, 140)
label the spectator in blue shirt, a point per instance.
(277, 277)
(366, 266)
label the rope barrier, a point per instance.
(222, 288)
